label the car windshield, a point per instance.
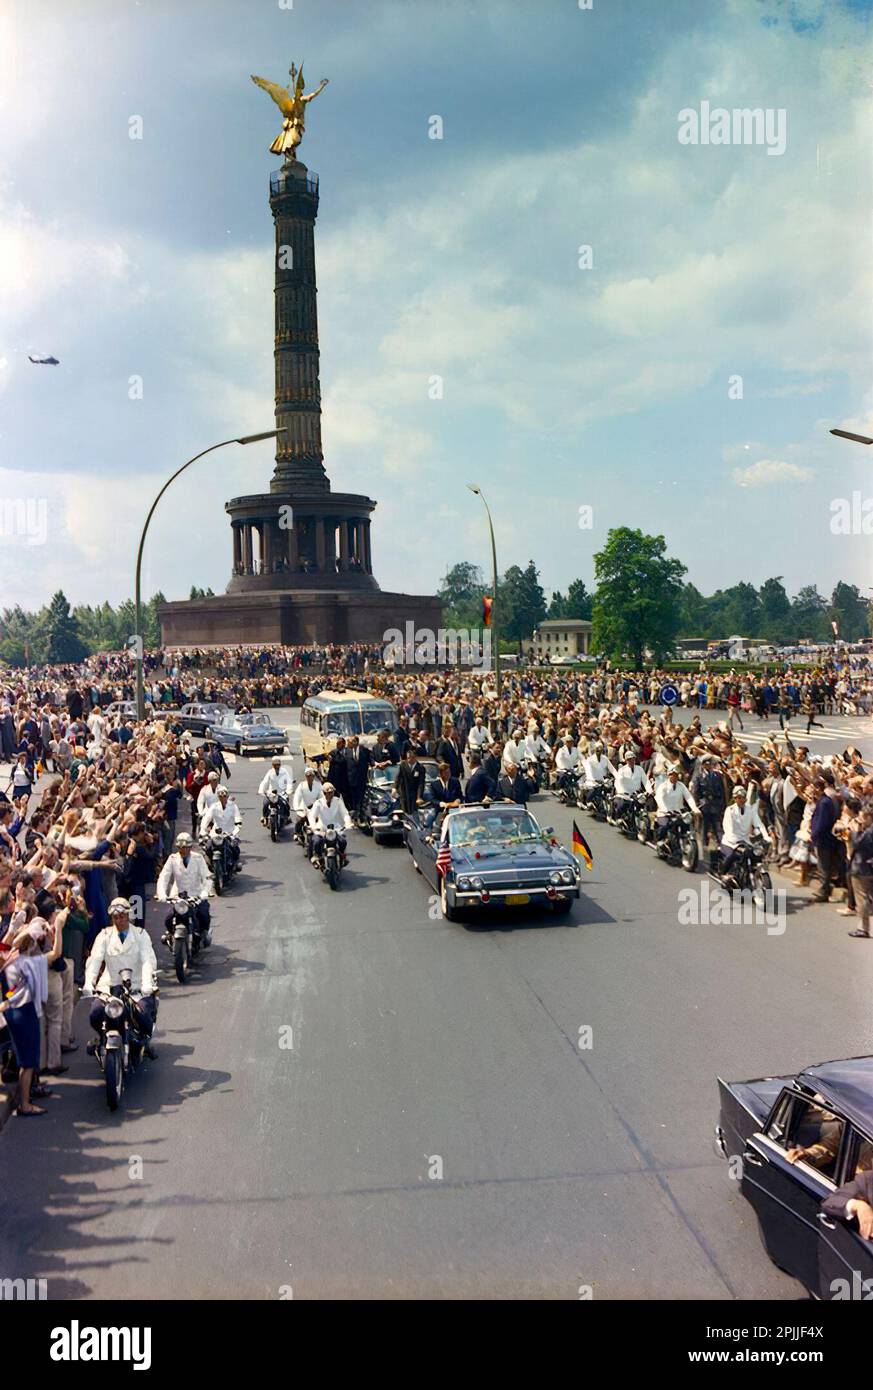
(259, 719)
(384, 776)
(496, 827)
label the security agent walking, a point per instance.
(186, 875)
(122, 946)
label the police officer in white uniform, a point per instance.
(122, 946)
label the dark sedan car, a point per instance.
(381, 813)
(794, 1142)
(494, 856)
(199, 716)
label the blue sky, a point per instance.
(563, 387)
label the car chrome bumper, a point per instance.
(718, 1142)
(473, 897)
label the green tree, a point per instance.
(775, 610)
(744, 613)
(578, 603)
(849, 611)
(63, 638)
(522, 603)
(557, 606)
(461, 592)
(809, 615)
(639, 589)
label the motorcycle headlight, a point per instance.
(114, 1008)
(463, 884)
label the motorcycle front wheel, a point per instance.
(114, 1078)
(762, 888)
(333, 876)
(180, 960)
(274, 831)
(690, 853)
(218, 880)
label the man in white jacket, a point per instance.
(739, 823)
(186, 875)
(122, 946)
(328, 813)
(208, 794)
(278, 779)
(223, 815)
(671, 795)
(629, 780)
(306, 793)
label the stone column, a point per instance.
(293, 552)
(319, 545)
(368, 557)
(237, 548)
(247, 547)
(330, 559)
(267, 546)
(344, 544)
(359, 542)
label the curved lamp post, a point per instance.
(858, 438)
(244, 439)
(494, 604)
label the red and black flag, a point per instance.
(487, 605)
(582, 847)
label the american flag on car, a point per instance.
(443, 859)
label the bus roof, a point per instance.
(344, 700)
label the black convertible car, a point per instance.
(494, 856)
(793, 1142)
(381, 815)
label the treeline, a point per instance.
(58, 633)
(641, 603)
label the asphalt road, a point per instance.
(435, 1131)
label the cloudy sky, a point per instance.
(564, 386)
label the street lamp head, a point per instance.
(858, 438)
(474, 488)
(267, 434)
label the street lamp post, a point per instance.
(495, 607)
(857, 438)
(138, 650)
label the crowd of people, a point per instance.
(88, 818)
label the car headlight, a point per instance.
(554, 876)
(463, 884)
(566, 875)
(477, 883)
(114, 1008)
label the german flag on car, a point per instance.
(582, 847)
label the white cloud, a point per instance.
(768, 471)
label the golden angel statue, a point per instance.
(291, 101)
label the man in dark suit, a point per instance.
(410, 781)
(448, 750)
(827, 846)
(446, 791)
(385, 751)
(338, 770)
(400, 739)
(480, 787)
(492, 762)
(358, 761)
(514, 786)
